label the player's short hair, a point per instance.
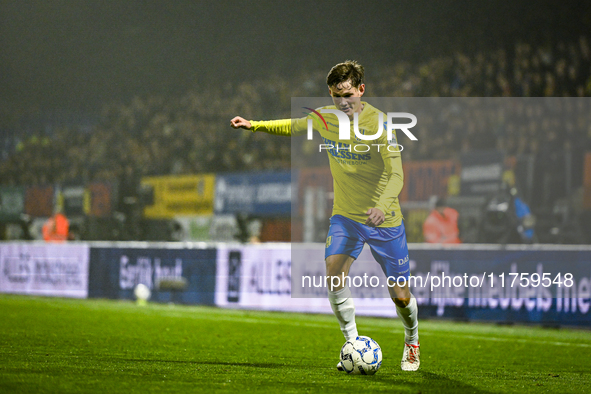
(349, 70)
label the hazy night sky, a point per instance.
(75, 55)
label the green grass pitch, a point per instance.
(72, 346)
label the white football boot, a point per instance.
(411, 358)
(340, 367)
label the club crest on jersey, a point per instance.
(393, 141)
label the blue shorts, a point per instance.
(387, 244)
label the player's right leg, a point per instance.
(339, 294)
(343, 245)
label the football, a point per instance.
(362, 356)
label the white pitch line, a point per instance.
(520, 340)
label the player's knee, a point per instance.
(401, 302)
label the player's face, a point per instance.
(347, 97)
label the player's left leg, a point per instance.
(390, 250)
(407, 310)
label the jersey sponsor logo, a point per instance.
(403, 261)
(340, 150)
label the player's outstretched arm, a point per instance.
(276, 127)
(240, 123)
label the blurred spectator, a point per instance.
(507, 219)
(56, 228)
(441, 226)
(129, 202)
(525, 219)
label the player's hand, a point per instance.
(375, 217)
(240, 123)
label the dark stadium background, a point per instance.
(66, 55)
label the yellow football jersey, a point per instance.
(366, 173)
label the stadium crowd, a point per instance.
(190, 133)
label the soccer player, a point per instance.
(366, 207)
